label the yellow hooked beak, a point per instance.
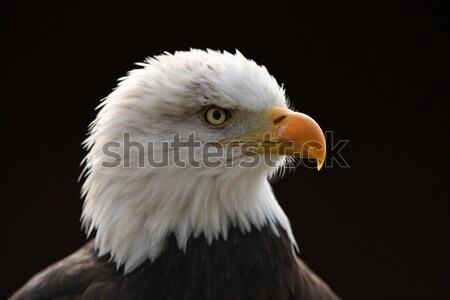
(286, 132)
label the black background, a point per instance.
(374, 74)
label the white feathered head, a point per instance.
(150, 172)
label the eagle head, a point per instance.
(185, 145)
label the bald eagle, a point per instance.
(192, 231)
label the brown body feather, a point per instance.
(256, 265)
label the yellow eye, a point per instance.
(216, 116)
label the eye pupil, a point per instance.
(217, 115)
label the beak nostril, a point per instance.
(279, 119)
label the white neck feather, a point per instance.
(134, 214)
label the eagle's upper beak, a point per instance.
(285, 132)
(297, 135)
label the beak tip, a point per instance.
(319, 164)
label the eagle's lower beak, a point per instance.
(297, 134)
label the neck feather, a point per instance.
(134, 214)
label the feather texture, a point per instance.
(256, 265)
